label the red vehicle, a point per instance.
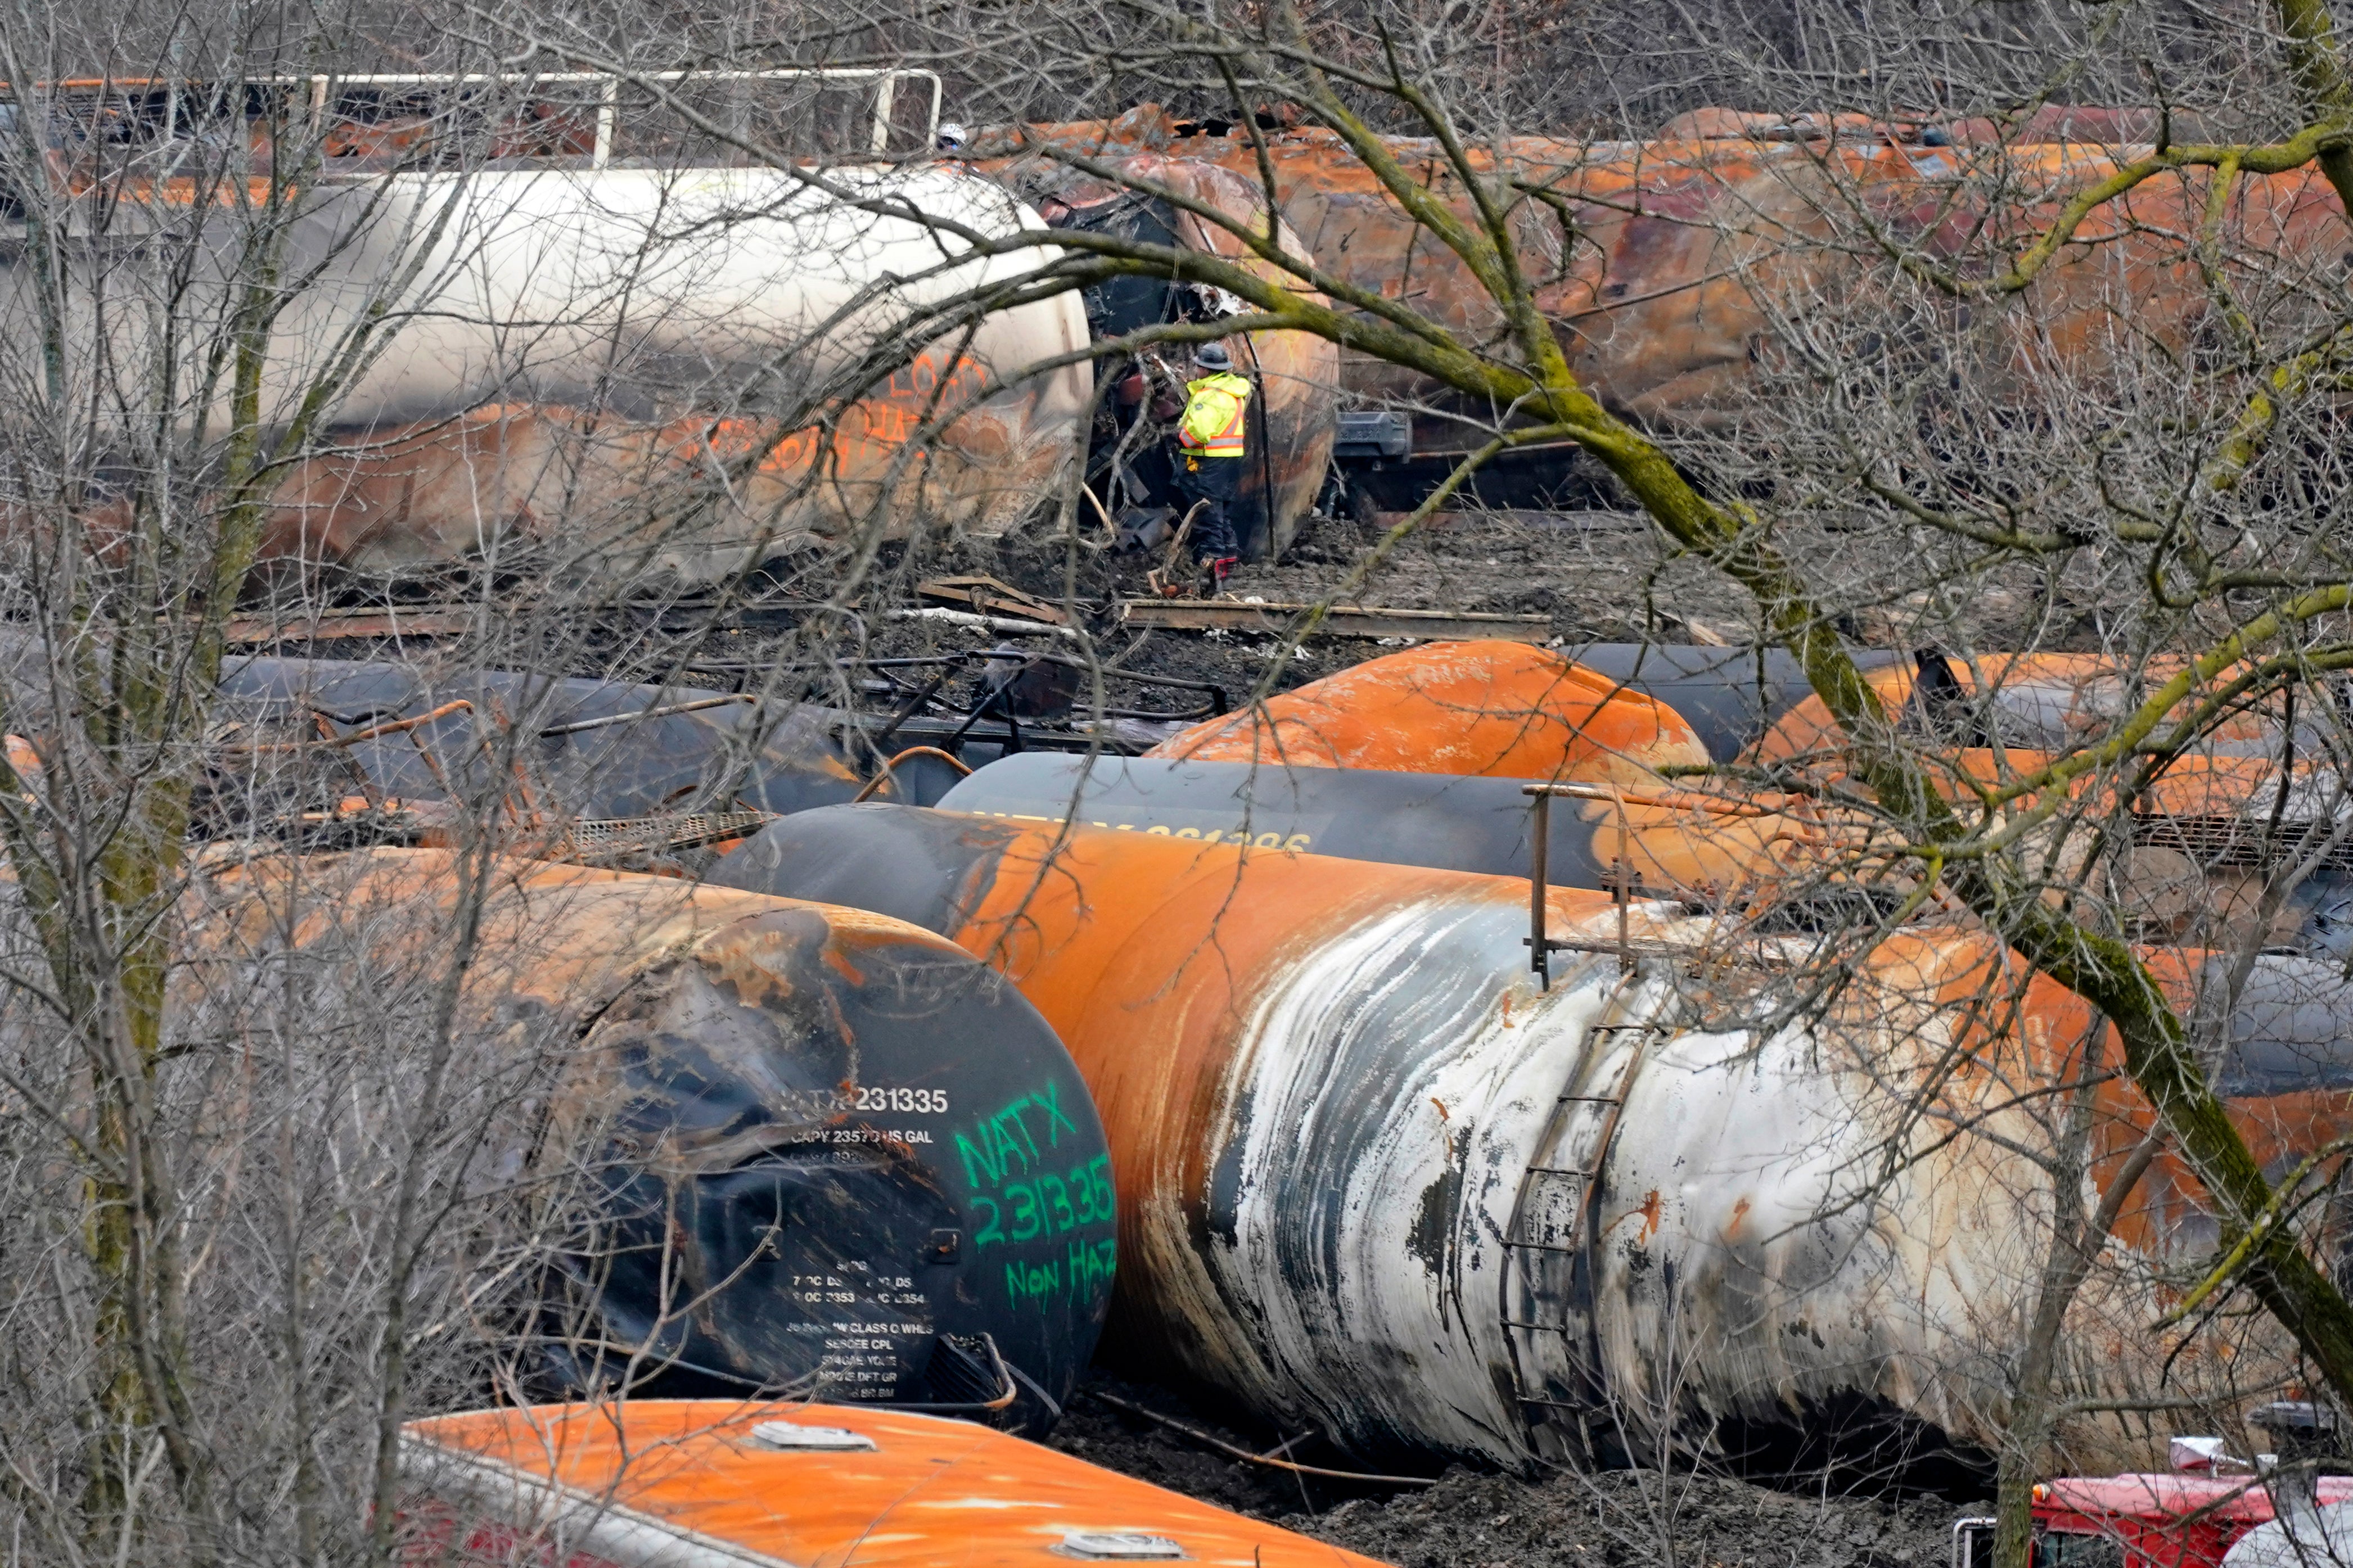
(2155, 1520)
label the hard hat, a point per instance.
(1213, 356)
(951, 136)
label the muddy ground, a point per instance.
(1469, 1519)
(1598, 575)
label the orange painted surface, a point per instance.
(2089, 683)
(930, 1491)
(1689, 243)
(2021, 1027)
(425, 492)
(1144, 953)
(1499, 709)
(2233, 767)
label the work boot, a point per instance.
(1221, 568)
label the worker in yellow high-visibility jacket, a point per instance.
(1213, 440)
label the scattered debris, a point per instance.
(1008, 625)
(1623, 1518)
(345, 625)
(986, 595)
(1272, 1459)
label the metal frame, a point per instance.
(609, 108)
(886, 97)
(1620, 878)
(1622, 1015)
(1964, 1528)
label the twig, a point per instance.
(1222, 1446)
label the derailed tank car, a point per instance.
(1690, 248)
(792, 1149)
(596, 369)
(317, 735)
(610, 335)
(1378, 1182)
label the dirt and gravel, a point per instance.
(1471, 1519)
(1598, 575)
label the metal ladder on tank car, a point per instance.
(1578, 1251)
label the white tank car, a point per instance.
(635, 368)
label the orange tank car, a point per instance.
(1694, 248)
(726, 1484)
(1375, 1178)
(2204, 827)
(1501, 708)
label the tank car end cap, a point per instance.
(791, 1437)
(1117, 1546)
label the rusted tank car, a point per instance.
(2203, 828)
(618, 370)
(1502, 709)
(815, 1151)
(1689, 246)
(1376, 1180)
(2253, 794)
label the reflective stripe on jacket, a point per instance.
(1216, 415)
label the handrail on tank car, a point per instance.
(1619, 877)
(608, 98)
(582, 726)
(318, 84)
(867, 789)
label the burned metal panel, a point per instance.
(622, 750)
(1494, 707)
(825, 1152)
(871, 1143)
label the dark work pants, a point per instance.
(1218, 481)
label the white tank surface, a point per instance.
(1377, 1182)
(2317, 1538)
(637, 360)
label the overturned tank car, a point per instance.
(1379, 1180)
(590, 344)
(557, 361)
(781, 1149)
(1667, 266)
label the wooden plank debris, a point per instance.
(1341, 620)
(987, 597)
(250, 631)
